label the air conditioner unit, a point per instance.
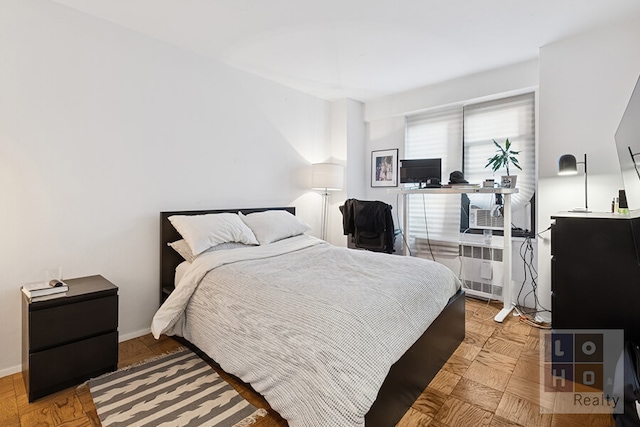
(485, 219)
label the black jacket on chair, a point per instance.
(370, 224)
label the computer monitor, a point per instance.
(426, 172)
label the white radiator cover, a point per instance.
(475, 259)
(469, 256)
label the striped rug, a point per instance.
(176, 390)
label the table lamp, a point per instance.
(567, 165)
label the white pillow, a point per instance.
(182, 247)
(270, 226)
(204, 231)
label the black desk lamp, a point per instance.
(567, 165)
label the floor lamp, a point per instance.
(326, 177)
(567, 165)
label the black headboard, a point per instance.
(169, 258)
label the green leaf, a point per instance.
(503, 157)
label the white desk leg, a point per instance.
(405, 225)
(506, 263)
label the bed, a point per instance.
(402, 382)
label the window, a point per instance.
(435, 135)
(470, 130)
(512, 118)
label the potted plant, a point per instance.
(503, 157)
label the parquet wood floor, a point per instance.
(491, 380)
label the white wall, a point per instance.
(356, 137)
(585, 85)
(347, 148)
(102, 128)
(383, 134)
(479, 86)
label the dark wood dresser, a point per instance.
(70, 339)
(595, 272)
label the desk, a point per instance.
(506, 261)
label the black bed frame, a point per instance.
(407, 378)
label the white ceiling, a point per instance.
(361, 49)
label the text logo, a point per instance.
(580, 368)
(574, 362)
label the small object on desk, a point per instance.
(55, 283)
(508, 181)
(456, 180)
(432, 183)
(623, 207)
(457, 177)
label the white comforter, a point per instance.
(312, 327)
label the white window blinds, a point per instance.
(512, 118)
(471, 129)
(435, 135)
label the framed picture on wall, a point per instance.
(384, 168)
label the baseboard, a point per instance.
(135, 334)
(10, 371)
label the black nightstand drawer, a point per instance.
(71, 364)
(69, 339)
(62, 323)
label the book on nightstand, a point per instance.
(35, 291)
(47, 297)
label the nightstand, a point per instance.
(70, 339)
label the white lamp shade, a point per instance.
(327, 176)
